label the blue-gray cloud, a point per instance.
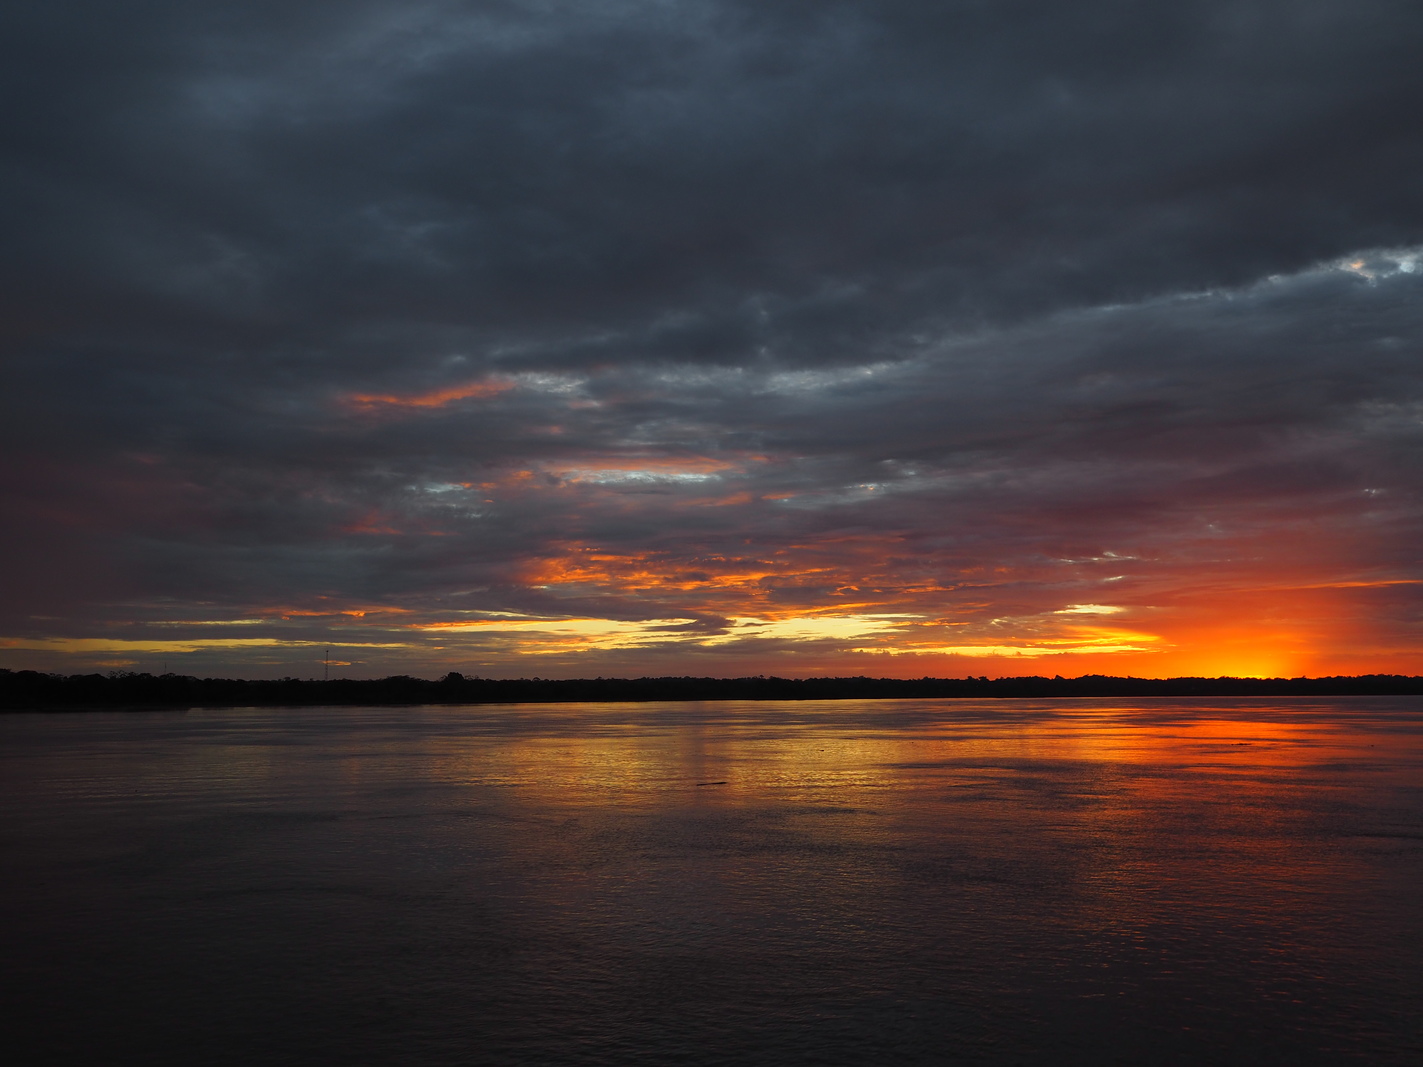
(1002, 284)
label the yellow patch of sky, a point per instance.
(118, 644)
(1025, 651)
(811, 627)
(209, 622)
(561, 634)
(1080, 640)
(544, 636)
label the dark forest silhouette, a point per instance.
(28, 690)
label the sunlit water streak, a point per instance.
(842, 882)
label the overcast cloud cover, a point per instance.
(712, 337)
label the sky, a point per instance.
(650, 337)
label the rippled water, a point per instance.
(1012, 882)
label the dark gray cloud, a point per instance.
(868, 304)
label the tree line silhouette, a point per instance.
(33, 690)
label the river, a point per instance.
(851, 882)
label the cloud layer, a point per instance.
(546, 338)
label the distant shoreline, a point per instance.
(34, 691)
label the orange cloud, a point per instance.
(435, 398)
(1254, 607)
(731, 581)
(319, 613)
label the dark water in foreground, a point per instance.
(1235, 882)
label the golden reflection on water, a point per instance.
(782, 880)
(1133, 808)
(759, 761)
(1135, 816)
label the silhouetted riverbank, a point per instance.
(32, 690)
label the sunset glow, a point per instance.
(434, 398)
(820, 342)
(555, 533)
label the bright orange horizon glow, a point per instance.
(853, 600)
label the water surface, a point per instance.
(894, 881)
